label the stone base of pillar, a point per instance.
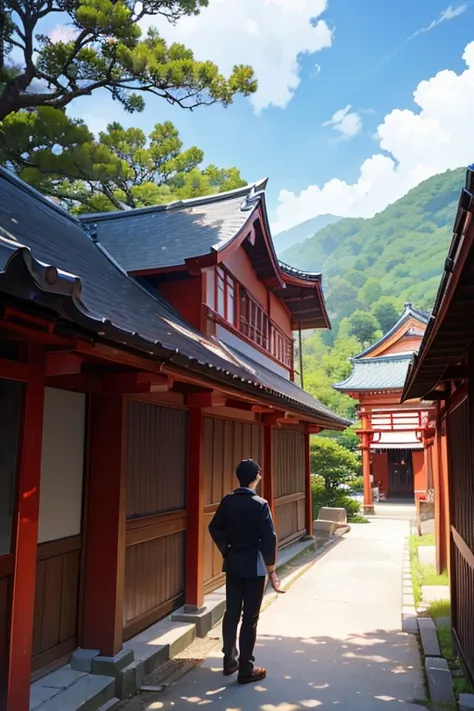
(368, 510)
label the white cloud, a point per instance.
(415, 144)
(449, 14)
(270, 35)
(62, 33)
(348, 123)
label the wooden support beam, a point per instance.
(26, 540)
(267, 468)
(240, 405)
(209, 398)
(63, 363)
(194, 594)
(365, 446)
(309, 493)
(106, 526)
(135, 382)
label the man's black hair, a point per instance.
(247, 471)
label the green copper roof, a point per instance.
(371, 374)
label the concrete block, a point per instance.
(427, 555)
(81, 659)
(127, 683)
(466, 702)
(324, 528)
(439, 682)
(61, 678)
(338, 515)
(87, 694)
(112, 666)
(429, 637)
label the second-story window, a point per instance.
(225, 296)
(253, 320)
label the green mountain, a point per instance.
(298, 233)
(398, 253)
(370, 268)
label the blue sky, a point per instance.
(358, 54)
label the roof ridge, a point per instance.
(258, 187)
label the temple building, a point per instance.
(395, 449)
(142, 355)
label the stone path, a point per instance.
(333, 641)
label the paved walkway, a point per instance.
(332, 642)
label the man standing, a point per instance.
(243, 530)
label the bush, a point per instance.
(333, 467)
(357, 485)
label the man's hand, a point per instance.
(275, 583)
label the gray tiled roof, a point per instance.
(167, 235)
(371, 374)
(92, 291)
(273, 380)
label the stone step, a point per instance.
(89, 693)
(440, 683)
(429, 637)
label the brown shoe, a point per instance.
(228, 671)
(256, 674)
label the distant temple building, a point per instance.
(394, 437)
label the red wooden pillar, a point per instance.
(438, 516)
(267, 469)
(194, 597)
(444, 487)
(307, 473)
(106, 527)
(365, 447)
(26, 540)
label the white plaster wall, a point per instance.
(62, 464)
(235, 342)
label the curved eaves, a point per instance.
(25, 278)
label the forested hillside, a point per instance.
(370, 268)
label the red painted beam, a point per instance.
(212, 398)
(63, 363)
(138, 382)
(194, 595)
(23, 597)
(267, 468)
(307, 475)
(106, 526)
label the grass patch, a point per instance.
(358, 518)
(461, 684)
(423, 574)
(440, 608)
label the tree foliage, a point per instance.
(364, 326)
(60, 157)
(103, 48)
(402, 248)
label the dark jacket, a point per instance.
(243, 530)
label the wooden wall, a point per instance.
(56, 600)
(289, 483)
(226, 442)
(156, 513)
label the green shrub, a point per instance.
(357, 485)
(332, 466)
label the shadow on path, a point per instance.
(362, 672)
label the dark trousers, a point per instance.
(246, 594)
